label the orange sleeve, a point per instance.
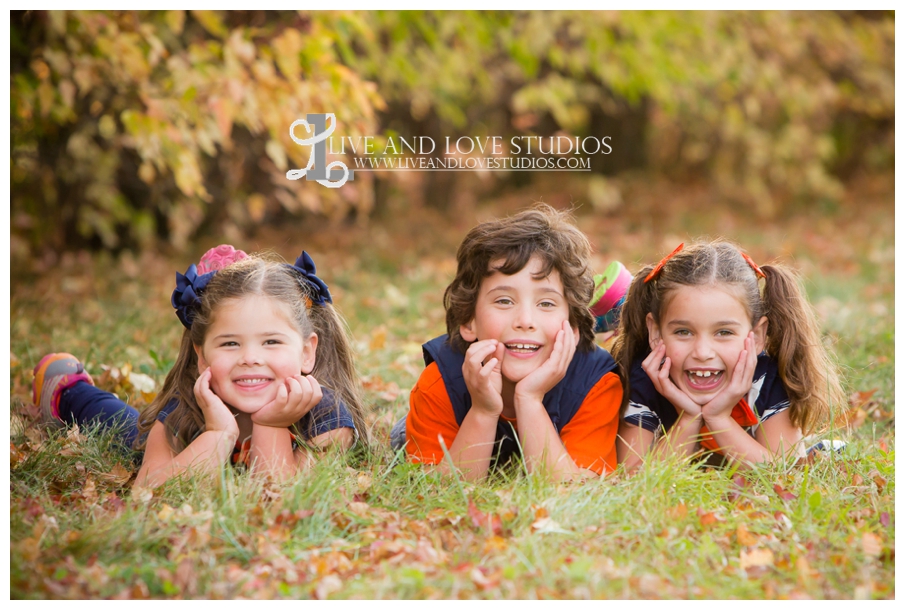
(590, 436)
(430, 416)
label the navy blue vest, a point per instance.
(561, 403)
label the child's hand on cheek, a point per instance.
(739, 384)
(217, 416)
(657, 365)
(535, 385)
(483, 375)
(298, 395)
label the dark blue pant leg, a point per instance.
(86, 405)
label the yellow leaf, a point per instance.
(256, 205)
(276, 153)
(378, 338)
(210, 21)
(175, 20)
(364, 482)
(166, 513)
(288, 46)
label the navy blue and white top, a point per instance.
(654, 413)
(329, 414)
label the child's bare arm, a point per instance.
(632, 444)
(209, 451)
(271, 452)
(338, 438)
(774, 438)
(472, 448)
(541, 443)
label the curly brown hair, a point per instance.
(542, 231)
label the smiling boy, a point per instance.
(518, 369)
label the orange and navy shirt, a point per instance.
(583, 407)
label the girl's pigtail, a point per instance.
(335, 363)
(632, 340)
(810, 376)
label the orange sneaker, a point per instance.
(53, 374)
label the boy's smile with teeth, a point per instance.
(524, 312)
(704, 330)
(522, 347)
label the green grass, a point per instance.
(369, 525)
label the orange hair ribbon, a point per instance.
(757, 270)
(653, 274)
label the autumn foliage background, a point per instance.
(140, 139)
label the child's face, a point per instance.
(522, 313)
(704, 330)
(251, 348)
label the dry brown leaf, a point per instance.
(494, 545)
(546, 525)
(860, 399)
(89, 491)
(166, 513)
(677, 512)
(118, 475)
(482, 581)
(185, 577)
(29, 548)
(360, 508)
(782, 519)
(15, 455)
(806, 575)
(143, 494)
(744, 537)
(878, 480)
(756, 558)
(871, 544)
(707, 518)
(364, 482)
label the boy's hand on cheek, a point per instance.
(298, 395)
(217, 416)
(535, 385)
(483, 375)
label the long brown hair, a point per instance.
(793, 339)
(541, 231)
(258, 276)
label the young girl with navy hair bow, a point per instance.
(265, 375)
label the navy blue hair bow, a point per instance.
(187, 295)
(304, 266)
